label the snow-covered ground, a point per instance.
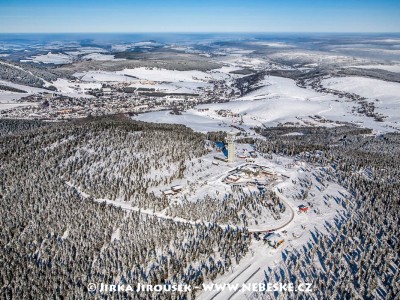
(318, 57)
(9, 99)
(67, 57)
(155, 74)
(51, 58)
(324, 198)
(127, 46)
(366, 87)
(385, 95)
(161, 80)
(11, 104)
(75, 89)
(201, 123)
(273, 44)
(85, 50)
(103, 76)
(98, 56)
(172, 87)
(280, 100)
(326, 205)
(391, 68)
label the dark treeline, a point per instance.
(12, 126)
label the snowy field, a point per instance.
(155, 74)
(366, 87)
(390, 68)
(67, 57)
(98, 56)
(384, 94)
(161, 80)
(50, 58)
(196, 122)
(103, 76)
(75, 89)
(280, 101)
(9, 99)
(10, 104)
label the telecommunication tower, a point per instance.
(230, 139)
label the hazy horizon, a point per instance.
(122, 16)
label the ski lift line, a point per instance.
(240, 273)
(234, 293)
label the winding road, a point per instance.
(292, 214)
(241, 277)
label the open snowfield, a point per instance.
(366, 87)
(173, 87)
(28, 89)
(67, 57)
(138, 76)
(155, 74)
(273, 44)
(8, 98)
(318, 57)
(10, 104)
(282, 88)
(75, 89)
(98, 56)
(127, 46)
(103, 76)
(195, 121)
(85, 50)
(390, 68)
(385, 95)
(280, 100)
(51, 58)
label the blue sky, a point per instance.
(199, 16)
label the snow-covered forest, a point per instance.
(55, 223)
(359, 258)
(68, 241)
(234, 208)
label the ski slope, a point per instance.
(155, 74)
(280, 101)
(385, 95)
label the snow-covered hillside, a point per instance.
(385, 95)
(166, 75)
(280, 100)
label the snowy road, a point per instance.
(284, 200)
(242, 273)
